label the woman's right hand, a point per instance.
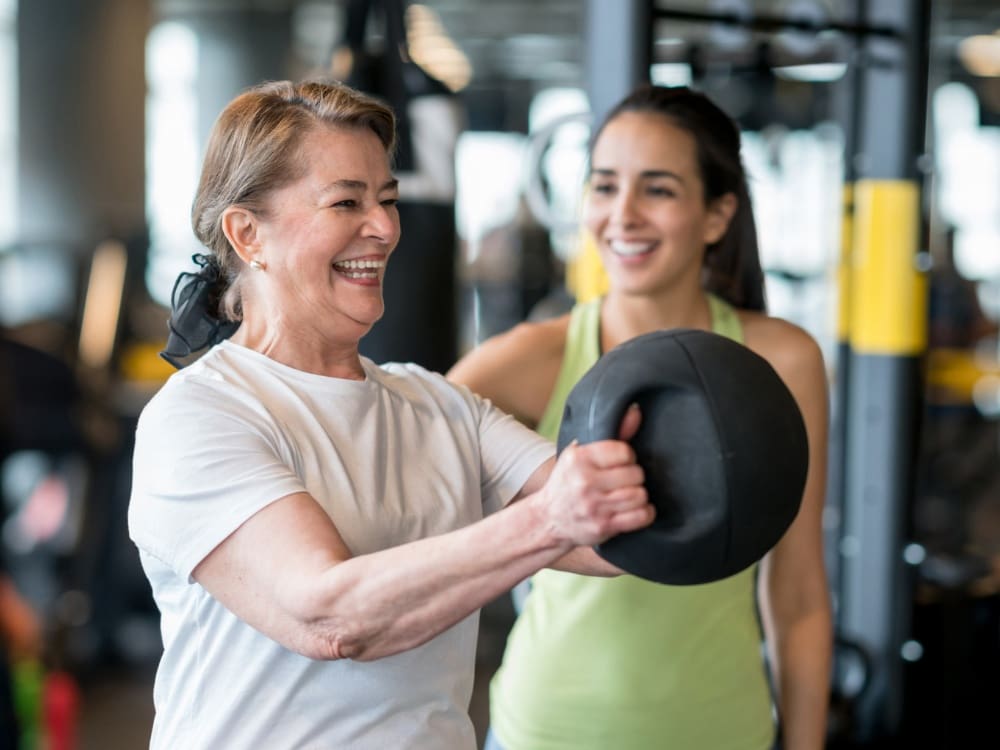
(596, 491)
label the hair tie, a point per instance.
(194, 322)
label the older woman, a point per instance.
(320, 532)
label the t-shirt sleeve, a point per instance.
(204, 463)
(510, 454)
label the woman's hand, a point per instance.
(596, 490)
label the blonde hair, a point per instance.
(253, 151)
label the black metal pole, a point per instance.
(887, 340)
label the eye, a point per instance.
(390, 201)
(349, 203)
(603, 188)
(661, 191)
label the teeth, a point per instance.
(360, 264)
(629, 248)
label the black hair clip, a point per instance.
(194, 322)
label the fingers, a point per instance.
(631, 520)
(603, 465)
(630, 423)
(597, 518)
(596, 491)
(620, 476)
(604, 454)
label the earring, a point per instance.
(257, 265)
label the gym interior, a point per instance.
(871, 135)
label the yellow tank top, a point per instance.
(623, 663)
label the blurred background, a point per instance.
(105, 106)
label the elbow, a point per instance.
(327, 641)
(326, 627)
(339, 631)
(336, 645)
(330, 647)
(361, 641)
(334, 622)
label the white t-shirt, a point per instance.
(397, 457)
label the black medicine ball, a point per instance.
(722, 444)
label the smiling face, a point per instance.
(324, 240)
(646, 205)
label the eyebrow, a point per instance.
(392, 184)
(646, 174)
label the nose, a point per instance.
(624, 208)
(382, 223)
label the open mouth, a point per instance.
(367, 268)
(630, 249)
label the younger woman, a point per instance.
(621, 662)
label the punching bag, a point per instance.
(420, 323)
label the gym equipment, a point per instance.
(722, 444)
(420, 323)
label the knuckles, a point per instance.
(597, 489)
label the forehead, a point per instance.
(644, 141)
(329, 153)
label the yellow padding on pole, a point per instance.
(844, 267)
(888, 292)
(586, 278)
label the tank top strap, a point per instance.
(725, 320)
(582, 350)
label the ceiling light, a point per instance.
(826, 72)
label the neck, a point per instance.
(625, 316)
(301, 347)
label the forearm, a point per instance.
(376, 605)
(802, 659)
(586, 561)
(312, 595)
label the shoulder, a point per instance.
(426, 394)
(182, 391)
(516, 369)
(790, 349)
(527, 344)
(205, 390)
(411, 381)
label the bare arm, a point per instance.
(794, 592)
(311, 595)
(516, 370)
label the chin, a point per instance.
(370, 319)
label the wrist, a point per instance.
(542, 528)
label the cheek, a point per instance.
(688, 223)
(593, 215)
(397, 229)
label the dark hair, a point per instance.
(252, 151)
(732, 265)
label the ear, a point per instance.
(240, 227)
(720, 213)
